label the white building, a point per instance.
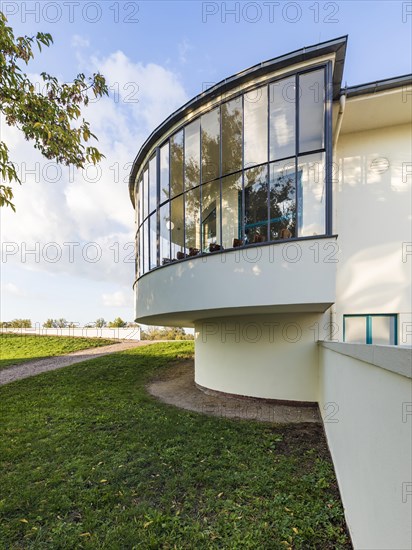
(273, 211)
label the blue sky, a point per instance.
(156, 56)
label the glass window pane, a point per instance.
(164, 236)
(256, 205)
(177, 228)
(141, 251)
(164, 172)
(232, 125)
(192, 154)
(355, 329)
(256, 131)
(192, 221)
(383, 330)
(311, 110)
(176, 164)
(282, 198)
(232, 211)
(210, 145)
(152, 184)
(282, 118)
(311, 195)
(153, 240)
(146, 246)
(211, 216)
(137, 203)
(145, 193)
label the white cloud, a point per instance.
(116, 299)
(80, 41)
(184, 48)
(12, 289)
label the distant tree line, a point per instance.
(16, 323)
(151, 333)
(165, 333)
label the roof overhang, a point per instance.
(336, 46)
(376, 105)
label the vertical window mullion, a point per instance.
(201, 186)
(268, 165)
(220, 243)
(184, 194)
(328, 148)
(368, 329)
(297, 84)
(242, 221)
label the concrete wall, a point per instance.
(270, 356)
(131, 333)
(367, 413)
(283, 276)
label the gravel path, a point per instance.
(176, 386)
(31, 368)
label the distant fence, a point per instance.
(128, 333)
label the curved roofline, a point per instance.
(337, 46)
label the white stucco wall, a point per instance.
(367, 414)
(372, 217)
(283, 276)
(270, 356)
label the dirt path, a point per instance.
(176, 386)
(37, 366)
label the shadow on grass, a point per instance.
(89, 460)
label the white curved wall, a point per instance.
(280, 277)
(269, 356)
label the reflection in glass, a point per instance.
(256, 135)
(256, 205)
(142, 251)
(311, 195)
(137, 203)
(152, 184)
(164, 172)
(177, 238)
(146, 246)
(232, 123)
(211, 216)
(210, 123)
(232, 211)
(176, 164)
(153, 240)
(226, 149)
(282, 118)
(355, 329)
(282, 200)
(192, 154)
(145, 193)
(383, 330)
(311, 110)
(140, 203)
(192, 221)
(164, 234)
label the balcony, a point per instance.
(282, 277)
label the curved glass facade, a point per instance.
(249, 171)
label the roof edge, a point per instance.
(378, 85)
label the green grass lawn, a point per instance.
(89, 460)
(16, 348)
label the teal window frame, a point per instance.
(369, 325)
